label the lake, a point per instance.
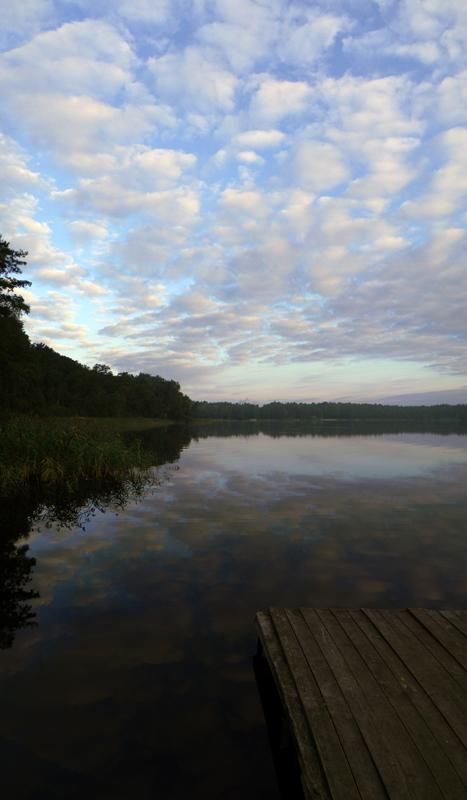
(137, 681)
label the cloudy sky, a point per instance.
(261, 199)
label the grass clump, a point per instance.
(37, 454)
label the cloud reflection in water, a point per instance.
(138, 681)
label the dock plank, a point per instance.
(312, 772)
(360, 761)
(377, 743)
(376, 700)
(444, 650)
(450, 637)
(331, 753)
(457, 619)
(405, 773)
(438, 743)
(428, 672)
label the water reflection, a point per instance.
(15, 574)
(68, 509)
(138, 680)
(324, 428)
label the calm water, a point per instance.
(138, 681)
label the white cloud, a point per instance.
(194, 80)
(15, 175)
(258, 140)
(250, 157)
(448, 100)
(74, 92)
(237, 189)
(107, 197)
(304, 43)
(275, 100)
(80, 130)
(79, 58)
(429, 31)
(318, 166)
(83, 232)
(245, 202)
(20, 20)
(91, 289)
(241, 45)
(447, 189)
(139, 180)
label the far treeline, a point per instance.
(34, 379)
(330, 411)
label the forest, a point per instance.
(36, 380)
(330, 411)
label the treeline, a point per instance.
(330, 411)
(35, 379)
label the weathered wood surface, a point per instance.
(376, 700)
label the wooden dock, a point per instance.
(375, 700)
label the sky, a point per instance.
(263, 200)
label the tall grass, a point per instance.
(39, 454)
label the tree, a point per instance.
(102, 368)
(11, 304)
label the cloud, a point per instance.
(318, 166)
(275, 100)
(73, 90)
(78, 129)
(111, 197)
(20, 20)
(257, 140)
(240, 45)
(305, 42)
(240, 189)
(429, 33)
(250, 157)
(83, 232)
(245, 202)
(450, 396)
(15, 175)
(193, 79)
(79, 58)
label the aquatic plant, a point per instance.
(38, 454)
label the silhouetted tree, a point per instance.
(11, 304)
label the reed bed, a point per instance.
(37, 454)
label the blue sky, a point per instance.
(260, 199)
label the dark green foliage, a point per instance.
(36, 379)
(330, 411)
(11, 304)
(63, 387)
(18, 371)
(39, 454)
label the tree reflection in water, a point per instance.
(15, 612)
(67, 509)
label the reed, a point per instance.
(38, 454)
